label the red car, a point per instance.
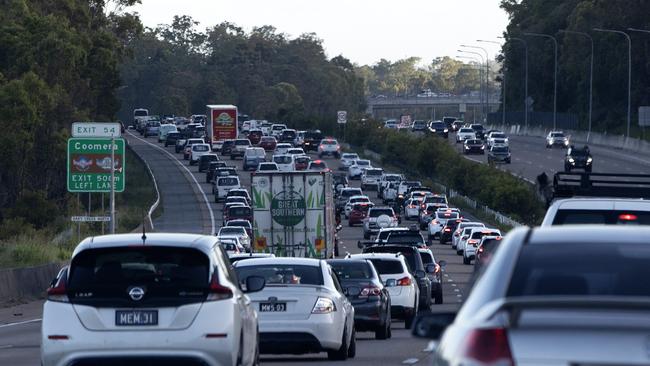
(255, 136)
(268, 143)
(301, 162)
(358, 213)
(238, 212)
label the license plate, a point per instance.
(136, 317)
(273, 307)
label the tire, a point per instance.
(340, 354)
(383, 332)
(408, 322)
(459, 252)
(438, 297)
(466, 260)
(232, 157)
(350, 224)
(216, 199)
(352, 348)
(366, 235)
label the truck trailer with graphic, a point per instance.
(293, 214)
(222, 123)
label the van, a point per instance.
(164, 130)
(223, 185)
(253, 156)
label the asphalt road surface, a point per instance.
(189, 207)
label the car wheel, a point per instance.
(408, 322)
(439, 297)
(232, 157)
(216, 199)
(366, 235)
(383, 332)
(459, 252)
(352, 349)
(340, 354)
(350, 224)
(466, 260)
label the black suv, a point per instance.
(416, 266)
(439, 128)
(212, 167)
(311, 140)
(578, 158)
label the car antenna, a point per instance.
(144, 225)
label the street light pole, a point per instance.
(629, 73)
(525, 76)
(555, 73)
(487, 73)
(591, 74)
(503, 82)
(486, 86)
(480, 77)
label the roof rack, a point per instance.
(601, 185)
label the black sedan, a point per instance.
(473, 146)
(363, 287)
(439, 128)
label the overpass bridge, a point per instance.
(433, 107)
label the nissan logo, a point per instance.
(136, 293)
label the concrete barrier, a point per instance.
(27, 283)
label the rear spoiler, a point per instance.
(567, 185)
(515, 306)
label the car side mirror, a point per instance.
(432, 325)
(391, 282)
(360, 245)
(431, 268)
(420, 274)
(255, 284)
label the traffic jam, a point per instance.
(317, 246)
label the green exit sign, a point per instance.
(89, 164)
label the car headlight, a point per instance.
(571, 160)
(589, 160)
(566, 142)
(446, 130)
(482, 147)
(466, 147)
(505, 140)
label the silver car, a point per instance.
(571, 295)
(124, 298)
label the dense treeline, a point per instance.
(176, 69)
(408, 77)
(59, 62)
(610, 57)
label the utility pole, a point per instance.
(554, 72)
(591, 74)
(503, 81)
(525, 77)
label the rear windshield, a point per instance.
(239, 211)
(267, 166)
(466, 130)
(480, 234)
(363, 162)
(500, 149)
(231, 230)
(387, 266)
(426, 258)
(170, 275)
(350, 192)
(226, 171)
(602, 270)
(282, 159)
(381, 211)
(349, 156)
(435, 199)
(405, 237)
(227, 181)
(438, 125)
(376, 172)
(242, 142)
(200, 148)
(141, 113)
(498, 136)
(609, 217)
(352, 270)
(282, 274)
(328, 142)
(209, 157)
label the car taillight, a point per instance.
(370, 291)
(480, 250)
(487, 347)
(322, 146)
(447, 230)
(435, 222)
(627, 217)
(472, 241)
(437, 270)
(217, 291)
(58, 292)
(406, 281)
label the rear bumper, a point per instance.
(369, 316)
(401, 312)
(326, 329)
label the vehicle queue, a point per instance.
(114, 290)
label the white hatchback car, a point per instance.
(284, 162)
(329, 147)
(302, 309)
(282, 148)
(371, 177)
(198, 150)
(357, 167)
(402, 286)
(439, 221)
(465, 133)
(124, 300)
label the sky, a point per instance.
(361, 30)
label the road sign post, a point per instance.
(342, 117)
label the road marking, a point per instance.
(205, 198)
(459, 295)
(410, 361)
(19, 323)
(457, 290)
(453, 284)
(6, 346)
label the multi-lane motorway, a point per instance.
(188, 207)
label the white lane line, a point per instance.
(459, 295)
(205, 198)
(453, 284)
(19, 323)
(6, 346)
(410, 361)
(456, 290)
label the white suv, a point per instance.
(402, 286)
(378, 218)
(222, 185)
(439, 221)
(357, 167)
(329, 147)
(347, 159)
(198, 150)
(465, 133)
(370, 178)
(119, 302)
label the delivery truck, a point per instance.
(222, 123)
(293, 213)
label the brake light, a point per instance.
(474, 242)
(437, 270)
(406, 281)
(487, 347)
(480, 250)
(322, 146)
(370, 291)
(217, 291)
(627, 217)
(58, 292)
(447, 230)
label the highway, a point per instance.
(187, 202)
(530, 158)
